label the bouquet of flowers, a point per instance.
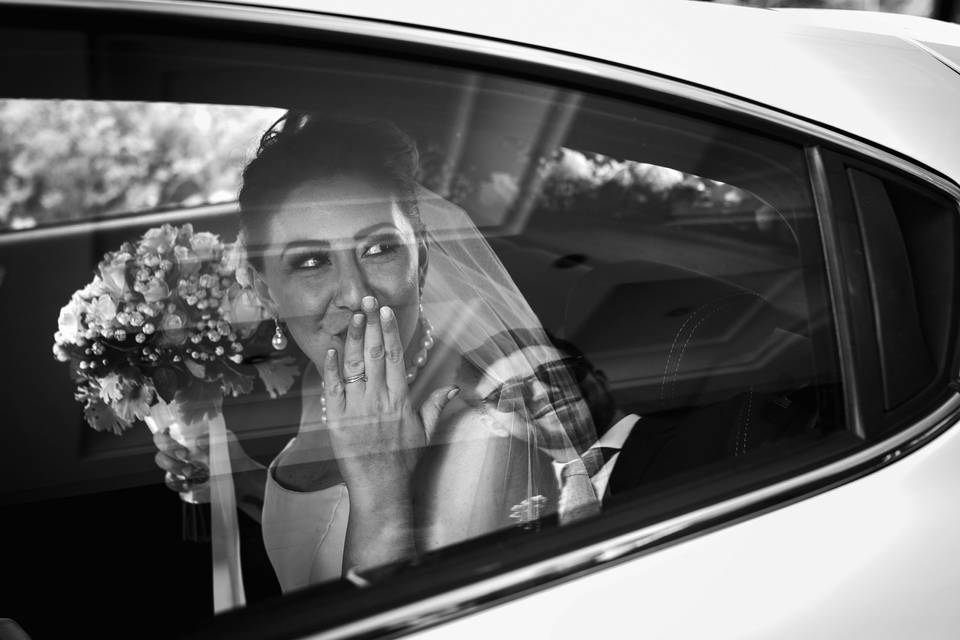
(164, 331)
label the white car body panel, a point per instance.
(876, 86)
(876, 558)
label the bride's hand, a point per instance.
(376, 434)
(183, 470)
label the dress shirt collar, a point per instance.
(617, 435)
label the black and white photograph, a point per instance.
(515, 319)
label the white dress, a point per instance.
(304, 532)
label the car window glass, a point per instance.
(908, 232)
(630, 298)
(77, 160)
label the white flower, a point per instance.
(244, 276)
(58, 351)
(206, 245)
(105, 309)
(114, 278)
(243, 310)
(172, 328)
(235, 262)
(233, 254)
(160, 239)
(68, 324)
(187, 261)
(154, 290)
(94, 289)
(111, 388)
(172, 322)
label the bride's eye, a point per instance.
(312, 261)
(380, 248)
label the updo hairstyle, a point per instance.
(301, 147)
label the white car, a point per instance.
(747, 220)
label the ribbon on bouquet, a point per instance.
(228, 590)
(224, 531)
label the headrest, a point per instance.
(667, 337)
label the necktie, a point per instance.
(595, 458)
(578, 497)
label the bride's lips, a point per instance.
(337, 338)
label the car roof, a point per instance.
(887, 79)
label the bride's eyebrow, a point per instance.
(325, 245)
(305, 245)
(368, 231)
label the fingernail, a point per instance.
(358, 319)
(331, 356)
(369, 303)
(453, 393)
(386, 313)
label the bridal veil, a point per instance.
(522, 382)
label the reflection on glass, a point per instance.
(67, 160)
(470, 291)
(910, 7)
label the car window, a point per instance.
(907, 231)
(634, 296)
(69, 160)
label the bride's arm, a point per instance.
(380, 528)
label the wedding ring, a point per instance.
(357, 378)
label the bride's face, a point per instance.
(329, 244)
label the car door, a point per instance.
(756, 296)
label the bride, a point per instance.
(421, 422)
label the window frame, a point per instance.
(878, 421)
(616, 537)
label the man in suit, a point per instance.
(633, 452)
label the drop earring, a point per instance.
(279, 340)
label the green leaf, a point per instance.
(278, 375)
(165, 381)
(101, 417)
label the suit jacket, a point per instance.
(672, 442)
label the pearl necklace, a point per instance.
(418, 362)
